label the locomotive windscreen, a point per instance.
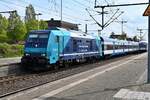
(37, 40)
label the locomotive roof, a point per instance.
(40, 31)
(72, 33)
(81, 35)
(78, 34)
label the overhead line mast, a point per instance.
(122, 23)
(104, 6)
(141, 31)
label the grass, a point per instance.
(10, 50)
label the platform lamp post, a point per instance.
(148, 79)
(147, 13)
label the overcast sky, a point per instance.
(74, 11)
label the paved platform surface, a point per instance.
(7, 61)
(125, 94)
(101, 83)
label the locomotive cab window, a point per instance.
(33, 36)
(38, 36)
(43, 36)
(37, 39)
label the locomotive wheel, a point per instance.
(67, 65)
(56, 67)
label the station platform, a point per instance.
(100, 83)
(7, 61)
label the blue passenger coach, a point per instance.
(113, 47)
(143, 46)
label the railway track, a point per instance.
(16, 83)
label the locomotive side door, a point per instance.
(54, 49)
(60, 46)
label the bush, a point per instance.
(7, 50)
(3, 38)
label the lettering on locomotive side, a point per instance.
(83, 46)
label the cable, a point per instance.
(83, 5)
(64, 13)
(42, 10)
(80, 3)
(6, 6)
(106, 2)
(89, 1)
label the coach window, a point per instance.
(116, 46)
(109, 47)
(74, 45)
(91, 45)
(120, 46)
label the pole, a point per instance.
(122, 27)
(86, 28)
(38, 21)
(61, 10)
(148, 74)
(122, 23)
(141, 35)
(95, 2)
(103, 17)
(141, 32)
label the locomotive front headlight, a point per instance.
(27, 54)
(43, 54)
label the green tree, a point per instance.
(3, 29)
(43, 25)
(30, 13)
(135, 38)
(112, 35)
(31, 25)
(31, 22)
(16, 28)
(123, 36)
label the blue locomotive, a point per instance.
(59, 46)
